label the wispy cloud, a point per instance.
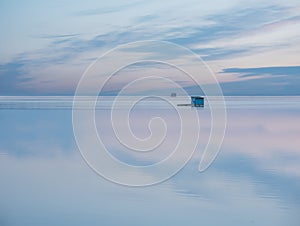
(107, 10)
(231, 36)
(265, 71)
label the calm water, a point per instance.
(255, 179)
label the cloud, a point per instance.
(265, 71)
(231, 23)
(225, 35)
(107, 10)
(263, 81)
(10, 75)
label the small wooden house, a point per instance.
(197, 101)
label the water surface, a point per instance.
(255, 179)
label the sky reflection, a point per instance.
(254, 181)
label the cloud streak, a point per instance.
(225, 36)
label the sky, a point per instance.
(252, 47)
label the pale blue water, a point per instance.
(66, 102)
(255, 179)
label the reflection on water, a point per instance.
(255, 180)
(106, 102)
